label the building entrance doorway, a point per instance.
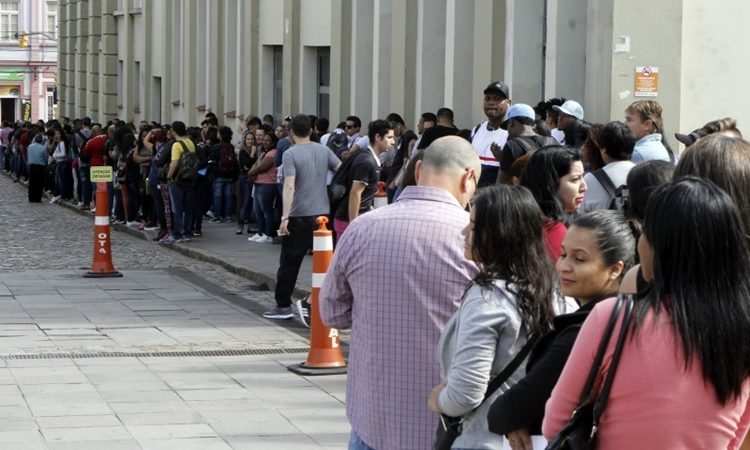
(8, 109)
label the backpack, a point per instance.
(84, 157)
(187, 173)
(620, 196)
(340, 182)
(227, 159)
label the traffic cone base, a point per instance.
(324, 357)
(302, 369)
(114, 274)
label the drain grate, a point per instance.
(172, 354)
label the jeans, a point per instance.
(222, 197)
(36, 182)
(182, 207)
(61, 178)
(158, 207)
(244, 215)
(202, 194)
(356, 443)
(85, 172)
(294, 247)
(263, 207)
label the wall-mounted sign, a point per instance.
(11, 76)
(9, 91)
(26, 111)
(646, 81)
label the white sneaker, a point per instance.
(80, 205)
(133, 224)
(54, 199)
(265, 240)
(255, 237)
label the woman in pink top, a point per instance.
(554, 174)
(682, 380)
(263, 174)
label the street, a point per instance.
(171, 355)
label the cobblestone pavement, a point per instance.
(169, 356)
(44, 236)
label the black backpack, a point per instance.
(619, 196)
(187, 173)
(341, 182)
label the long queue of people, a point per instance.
(481, 298)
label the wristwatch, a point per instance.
(283, 218)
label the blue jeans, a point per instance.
(263, 207)
(182, 208)
(84, 171)
(246, 210)
(356, 443)
(61, 178)
(222, 197)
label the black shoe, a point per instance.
(303, 311)
(160, 235)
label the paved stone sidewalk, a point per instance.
(65, 385)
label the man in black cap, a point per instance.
(488, 134)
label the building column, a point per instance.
(291, 100)
(341, 60)
(108, 63)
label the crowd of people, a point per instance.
(479, 296)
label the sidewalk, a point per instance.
(151, 361)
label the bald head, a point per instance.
(450, 163)
(451, 154)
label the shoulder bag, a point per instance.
(580, 431)
(450, 428)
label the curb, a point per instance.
(265, 282)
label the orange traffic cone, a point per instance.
(324, 357)
(102, 266)
(381, 198)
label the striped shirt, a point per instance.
(396, 278)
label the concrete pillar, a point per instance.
(361, 69)
(459, 39)
(341, 59)
(291, 100)
(92, 58)
(430, 59)
(525, 52)
(108, 63)
(489, 50)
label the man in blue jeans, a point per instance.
(180, 193)
(305, 167)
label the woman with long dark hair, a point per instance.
(597, 250)
(554, 175)
(509, 303)
(682, 378)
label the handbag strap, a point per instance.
(589, 386)
(503, 376)
(601, 401)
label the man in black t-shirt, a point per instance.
(444, 127)
(406, 140)
(522, 139)
(363, 176)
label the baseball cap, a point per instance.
(688, 139)
(516, 111)
(498, 86)
(571, 108)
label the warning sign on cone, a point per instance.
(324, 357)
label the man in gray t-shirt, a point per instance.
(305, 197)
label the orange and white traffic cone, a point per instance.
(102, 265)
(324, 357)
(381, 198)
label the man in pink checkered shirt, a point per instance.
(396, 277)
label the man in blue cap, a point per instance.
(522, 138)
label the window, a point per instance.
(136, 87)
(278, 80)
(52, 19)
(8, 20)
(324, 81)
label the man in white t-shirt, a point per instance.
(489, 134)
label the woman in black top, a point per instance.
(597, 250)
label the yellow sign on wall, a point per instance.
(646, 81)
